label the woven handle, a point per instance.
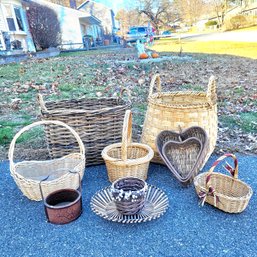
(233, 172)
(156, 78)
(75, 134)
(211, 91)
(126, 135)
(128, 93)
(41, 102)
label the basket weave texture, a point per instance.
(97, 121)
(184, 153)
(127, 159)
(28, 174)
(129, 195)
(172, 110)
(226, 193)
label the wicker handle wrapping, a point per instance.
(126, 135)
(233, 172)
(45, 122)
(156, 78)
(211, 91)
(41, 102)
(128, 93)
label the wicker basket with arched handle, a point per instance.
(127, 159)
(226, 193)
(28, 174)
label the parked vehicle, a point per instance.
(136, 33)
(166, 33)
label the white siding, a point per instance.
(70, 26)
(2, 20)
(69, 21)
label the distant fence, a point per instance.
(73, 47)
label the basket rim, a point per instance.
(139, 192)
(136, 161)
(53, 207)
(206, 104)
(17, 175)
(45, 110)
(247, 196)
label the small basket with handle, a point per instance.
(28, 174)
(127, 159)
(226, 193)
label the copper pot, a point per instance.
(64, 205)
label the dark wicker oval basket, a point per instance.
(97, 121)
(129, 195)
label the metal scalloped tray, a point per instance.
(156, 204)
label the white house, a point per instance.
(14, 30)
(74, 24)
(102, 12)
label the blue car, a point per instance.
(166, 33)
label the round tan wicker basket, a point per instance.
(172, 110)
(127, 159)
(28, 174)
(226, 193)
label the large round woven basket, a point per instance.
(226, 193)
(98, 121)
(127, 159)
(28, 174)
(182, 109)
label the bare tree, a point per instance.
(190, 10)
(44, 26)
(221, 7)
(128, 18)
(157, 11)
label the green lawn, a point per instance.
(90, 73)
(242, 49)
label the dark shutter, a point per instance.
(18, 18)
(11, 24)
(73, 4)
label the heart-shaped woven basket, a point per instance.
(184, 153)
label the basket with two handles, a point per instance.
(98, 121)
(181, 109)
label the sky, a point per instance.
(114, 4)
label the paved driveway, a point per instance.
(184, 230)
(238, 36)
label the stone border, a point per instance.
(17, 58)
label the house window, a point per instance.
(13, 18)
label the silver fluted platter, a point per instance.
(156, 204)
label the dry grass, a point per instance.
(242, 49)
